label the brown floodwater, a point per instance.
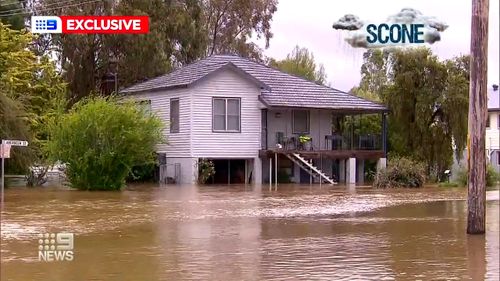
(250, 233)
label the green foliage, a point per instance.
(428, 100)
(142, 173)
(231, 24)
(492, 177)
(401, 172)
(301, 63)
(100, 140)
(31, 94)
(11, 13)
(448, 184)
(180, 32)
(206, 169)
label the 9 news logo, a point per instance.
(46, 24)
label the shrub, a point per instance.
(100, 140)
(400, 172)
(142, 173)
(206, 169)
(491, 176)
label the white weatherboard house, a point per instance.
(246, 117)
(493, 128)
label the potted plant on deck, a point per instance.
(305, 142)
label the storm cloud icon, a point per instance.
(357, 36)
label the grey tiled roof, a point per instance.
(282, 89)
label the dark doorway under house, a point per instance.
(228, 171)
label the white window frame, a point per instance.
(172, 129)
(308, 122)
(225, 130)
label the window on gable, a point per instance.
(226, 115)
(300, 121)
(174, 115)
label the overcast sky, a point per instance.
(309, 24)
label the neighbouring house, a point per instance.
(493, 128)
(492, 138)
(246, 117)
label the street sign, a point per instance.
(5, 153)
(4, 150)
(15, 142)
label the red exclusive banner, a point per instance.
(105, 24)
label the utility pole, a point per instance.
(478, 111)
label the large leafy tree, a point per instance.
(300, 62)
(232, 23)
(181, 31)
(31, 94)
(428, 99)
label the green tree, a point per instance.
(101, 140)
(365, 123)
(232, 23)
(428, 99)
(177, 36)
(300, 62)
(180, 33)
(31, 94)
(11, 13)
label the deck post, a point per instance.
(270, 173)
(228, 171)
(310, 175)
(384, 134)
(276, 170)
(351, 171)
(360, 170)
(257, 171)
(381, 164)
(342, 170)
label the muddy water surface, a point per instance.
(250, 233)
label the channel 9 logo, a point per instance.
(46, 24)
(55, 247)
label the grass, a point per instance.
(449, 184)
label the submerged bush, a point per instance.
(400, 172)
(100, 140)
(491, 176)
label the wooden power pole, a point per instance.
(478, 112)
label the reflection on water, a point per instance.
(245, 233)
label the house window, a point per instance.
(498, 121)
(300, 121)
(226, 115)
(488, 122)
(498, 158)
(174, 115)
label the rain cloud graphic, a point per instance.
(357, 28)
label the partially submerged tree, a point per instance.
(428, 100)
(300, 62)
(101, 140)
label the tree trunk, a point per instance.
(478, 112)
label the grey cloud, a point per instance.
(348, 22)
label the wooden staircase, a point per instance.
(309, 167)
